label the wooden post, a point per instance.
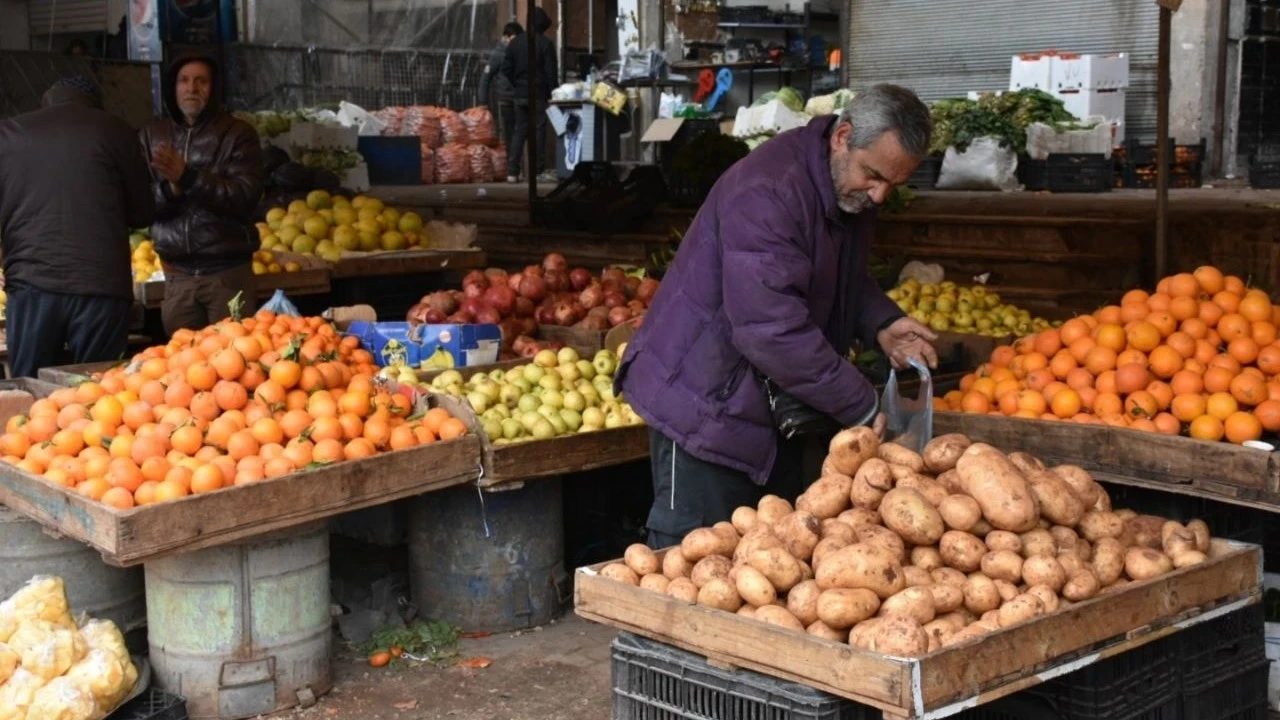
(1162, 143)
(531, 137)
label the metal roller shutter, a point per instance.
(946, 48)
(69, 16)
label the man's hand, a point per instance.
(879, 425)
(168, 163)
(906, 339)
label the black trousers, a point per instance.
(689, 493)
(41, 324)
(515, 152)
(505, 119)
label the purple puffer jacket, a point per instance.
(771, 276)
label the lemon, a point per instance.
(259, 268)
(390, 218)
(410, 222)
(292, 266)
(304, 245)
(318, 199)
(345, 237)
(393, 240)
(344, 215)
(273, 268)
(288, 234)
(317, 227)
(276, 214)
(297, 206)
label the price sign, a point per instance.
(609, 97)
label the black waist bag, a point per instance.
(794, 418)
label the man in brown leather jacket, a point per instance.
(208, 173)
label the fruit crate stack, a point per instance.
(1136, 164)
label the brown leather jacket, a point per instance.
(208, 226)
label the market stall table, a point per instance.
(393, 282)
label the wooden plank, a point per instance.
(408, 263)
(969, 673)
(589, 340)
(71, 375)
(310, 281)
(565, 454)
(1120, 451)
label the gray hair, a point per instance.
(883, 108)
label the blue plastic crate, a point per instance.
(392, 160)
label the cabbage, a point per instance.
(828, 104)
(792, 98)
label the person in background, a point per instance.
(495, 88)
(544, 76)
(208, 175)
(72, 184)
(771, 281)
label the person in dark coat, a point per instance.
(544, 75)
(771, 280)
(208, 177)
(495, 88)
(73, 182)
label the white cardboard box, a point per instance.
(1085, 103)
(1032, 72)
(1091, 72)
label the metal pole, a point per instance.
(531, 138)
(591, 27)
(1220, 91)
(1162, 144)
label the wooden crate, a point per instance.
(134, 536)
(1222, 469)
(409, 262)
(71, 375)
(951, 679)
(591, 341)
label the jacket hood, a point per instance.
(66, 94)
(541, 20)
(171, 86)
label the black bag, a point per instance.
(794, 418)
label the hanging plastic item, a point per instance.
(280, 305)
(724, 81)
(909, 421)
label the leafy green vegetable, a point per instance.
(434, 640)
(792, 98)
(1005, 117)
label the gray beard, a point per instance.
(860, 201)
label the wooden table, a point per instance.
(409, 262)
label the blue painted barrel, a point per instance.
(511, 579)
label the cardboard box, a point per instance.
(1088, 103)
(1091, 72)
(395, 343)
(1032, 71)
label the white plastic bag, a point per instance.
(909, 421)
(985, 165)
(280, 305)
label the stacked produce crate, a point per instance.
(1089, 85)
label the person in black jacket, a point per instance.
(73, 182)
(544, 76)
(495, 88)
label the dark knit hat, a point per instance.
(84, 85)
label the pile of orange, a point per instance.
(237, 402)
(1200, 357)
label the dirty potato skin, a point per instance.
(1001, 491)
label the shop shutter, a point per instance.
(70, 16)
(947, 48)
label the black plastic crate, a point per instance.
(1033, 174)
(1138, 153)
(1239, 692)
(1180, 176)
(1221, 646)
(1141, 684)
(1079, 173)
(152, 704)
(1265, 175)
(926, 175)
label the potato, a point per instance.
(850, 448)
(1020, 609)
(1002, 565)
(1097, 524)
(961, 550)
(1170, 527)
(620, 573)
(1058, 502)
(885, 539)
(799, 532)
(895, 454)
(1064, 537)
(946, 598)
(802, 601)
(871, 482)
(1001, 491)
(932, 490)
(1048, 598)
(1007, 590)
(1026, 463)
(760, 538)
(748, 611)
(771, 509)
(1084, 550)
(862, 495)
(744, 518)
(641, 559)
(942, 452)
(1142, 563)
(938, 632)
(1126, 514)
(719, 594)
(1082, 586)
(956, 619)
(907, 512)
(825, 631)
(828, 545)
(991, 618)
(1143, 531)
(827, 467)
(683, 589)
(1108, 560)
(838, 529)
(1038, 542)
(1080, 482)
(980, 594)
(754, 587)
(1116, 586)
(774, 615)
(703, 542)
(711, 566)
(901, 473)
(913, 602)
(655, 582)
(862, 566)
(1178, 541)
(951, 481)
(806, 570)
(827, 497)
(778, 566)
(842, 608)
(926, 558)
(900, 636)
(1187, 558)
(674, 565)
(1044, 570)
(1072, 564)
(960, 512)
(862, 636)
(917, 577)
(1003, 540)
(948, 576)
(857, 517)
(1104, 500)
(982, 528)
(1201, 531)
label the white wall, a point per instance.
(14, 31)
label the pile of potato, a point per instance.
(902, 553)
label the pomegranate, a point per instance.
(435, 317)
(473, 306)
(533, 270)
(533, 287)
(510, 333)
(529, 326)
(473, 290)
(488, 316)
(580, 278)
(613, 300)
(619, 315)
(520, 342)
(417, 314)
(631, 285)
(593, 323)
(545, 315)
(636, 306)
(501, 298)
(598, 311)
(524, 307)
(563, 314)
(495, 274)
(555, 261)
(443, 301)
(513, 281)
(475, 277)
(610, 285)
(615, 274)
(462, 317)
(647, 289)
(558, 281)
(591, 296)
(529, 350)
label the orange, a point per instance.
(1255, 307)
(1000, 357)
(285, 373)
(230, 395)
(362, 448)
(155, 469)
(378, 430)
(68, 415)
(228, 363)
(1167, 424)
(206, 478)
(1047, 342)
(452, 428)
(146, 447)
(1189, 407)
(1218, 379)
(1248, 389)
(1186, 382)
(299, 453)
(1243, 349)
(1060, 365)
(1159, 302)
(123, 473)
(1131, 378)
(146, 493)
(205, 406)
(1141, 404)
(295, 400)
(1106, 382)
(170, 490)
(1184, 308)
(328, 451)
(1107, 315)
(1162, 393)
(1036, 380)
(1242, 426)
(1227, 300)
(353, 426)
(1184, 285)
(1233, 326)
(242, 444)
(1133, 312)
(1143, 336)
(1210, 279)
(278, 466)
(187, 440)
(1233, 284)
(1268, 413)
(1073, 330)
(325, 428)
(88, 392)
(1195, 327)
(1100, 359)
(1268, 360)
(119, 498)
(267, 430)
(1182, 343)
(1027, 400)
(1163, 322)
(201, 376)
(180, 475)
(1221, 405)
(14, 443)
(1065, 403)
(68, 442)
(94, 489)
(1111, 336)
(271, 393)
(1080, 348)
(1079, 378)
(1165, 361)
(294, 423)
(1135, 296)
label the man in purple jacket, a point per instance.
(771, 281)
